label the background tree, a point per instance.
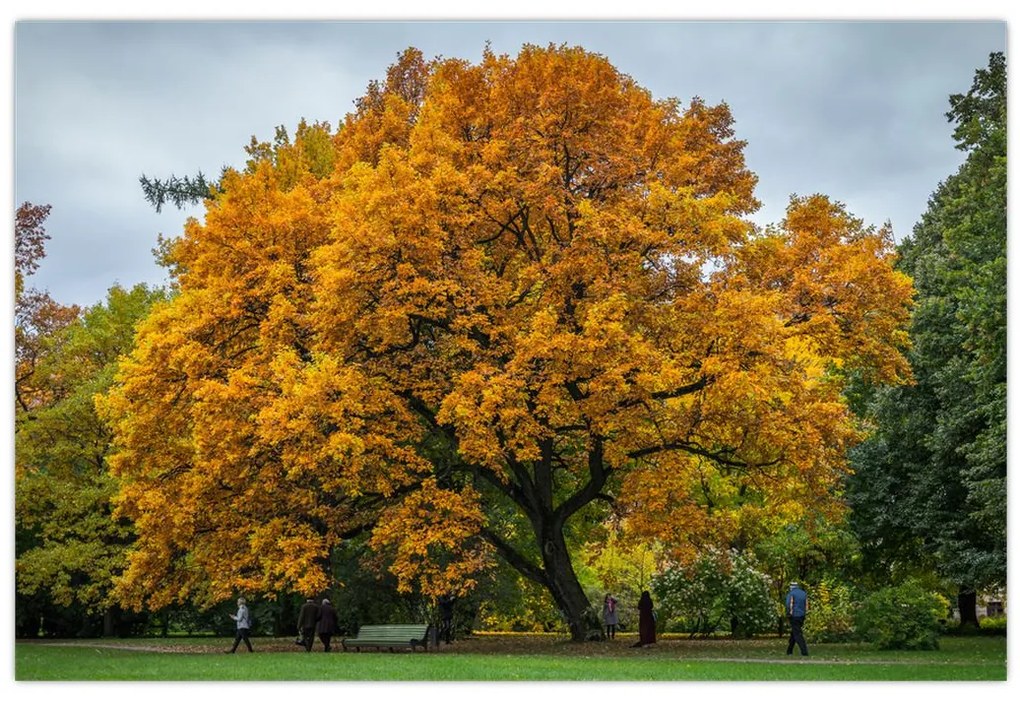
(929, 488)
(36, 315)
(473, 317)
(613, 561)
(179, 191)
(815, 551)
(29, 240)
(69, 549)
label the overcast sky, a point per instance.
(854, 110)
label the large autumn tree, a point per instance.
(500, 297)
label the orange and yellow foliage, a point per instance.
(524, 282)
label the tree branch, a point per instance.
(671, 394)
(516, 559)
(592, 489)
(694, 449)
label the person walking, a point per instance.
(796, 609)
(307, 619)
(646, 621)
(328, 624)
(243, 618)
(446, 618)
(609, 616)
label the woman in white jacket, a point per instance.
(243, 619)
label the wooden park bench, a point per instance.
(391, 636)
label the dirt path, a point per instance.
(492, 645)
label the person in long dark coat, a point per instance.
(646, 620)
(446, 602)
(328, 624)
(307, 619)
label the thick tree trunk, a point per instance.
(967, 601)
(532, 490)
(566, 590)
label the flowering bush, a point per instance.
(717, 589)
(904, 617)
(691, 595)
(751, 606)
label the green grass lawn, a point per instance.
(509, 659)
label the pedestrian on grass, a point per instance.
(307, 620)
(796, 609)
(328, 624)
(243, 618)
(609, 616)
(446, 618)
(646, 621)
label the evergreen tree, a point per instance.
(930, 484)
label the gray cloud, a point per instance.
(851, 109)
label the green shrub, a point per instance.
(903, 617)
(831, 613)
(992, 623)
(951, 626)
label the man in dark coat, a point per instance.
(328, 623)
(446, 618)
(307, 619)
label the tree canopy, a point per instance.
(931, 482)
(500, 299)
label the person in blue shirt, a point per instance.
(796, 609)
